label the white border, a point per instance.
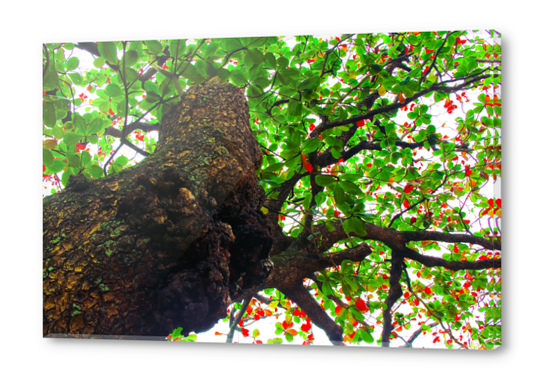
(26, 25)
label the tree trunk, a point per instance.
(167, 243)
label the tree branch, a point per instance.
(424, 235)
(451, 265)
(395, 292)
(292, 267)
(397, 239)
(396, 105)
(299, 295)
(326, 158)
(238, 318)
(143, 126)
(336, 299)
(416, 334)
(432, 313)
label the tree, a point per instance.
(310, 175)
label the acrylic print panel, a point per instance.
(305, 190)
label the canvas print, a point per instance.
(305, 190)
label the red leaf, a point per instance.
(427, 290)
(361, 306)
(245, 332)
(490, 202)
(498, 201)
(306, 164)
(408, 188)
(111, 112)
(406, 204)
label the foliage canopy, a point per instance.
(389, 139)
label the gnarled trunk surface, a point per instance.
(167, 243)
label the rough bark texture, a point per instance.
(167, 243)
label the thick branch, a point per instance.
(451, 265)
(397, 239)
(424, 235)
(299, 294)
(335, 299)
(294, 267)
(395, 293)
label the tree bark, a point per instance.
(167, 243)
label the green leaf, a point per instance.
(270, 61)
(325, 180)
(350, 188)
(47, 157)
(307, 201)
(85, 158)
(99, 62)
(294, 107)
(310, 83)
(191, 73)
(108, 50)
(56, 166)
(310, 145)
(355, 225)
(50, 80)
(113, 90)
(66, 176)
(76, 79)
(339, 195)
(49, 114)
(177, 47)
(96, 171)
(72, 138)
(72, 63)
(122, 161)
(152, 97)
(330, 226)
(253, 57)
(95, 127)
(375, 69)
(366, 337)
(80, 124)
(289, 337)
(154, 46)
(131, 57)
(74, 161)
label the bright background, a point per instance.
(25, 27)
